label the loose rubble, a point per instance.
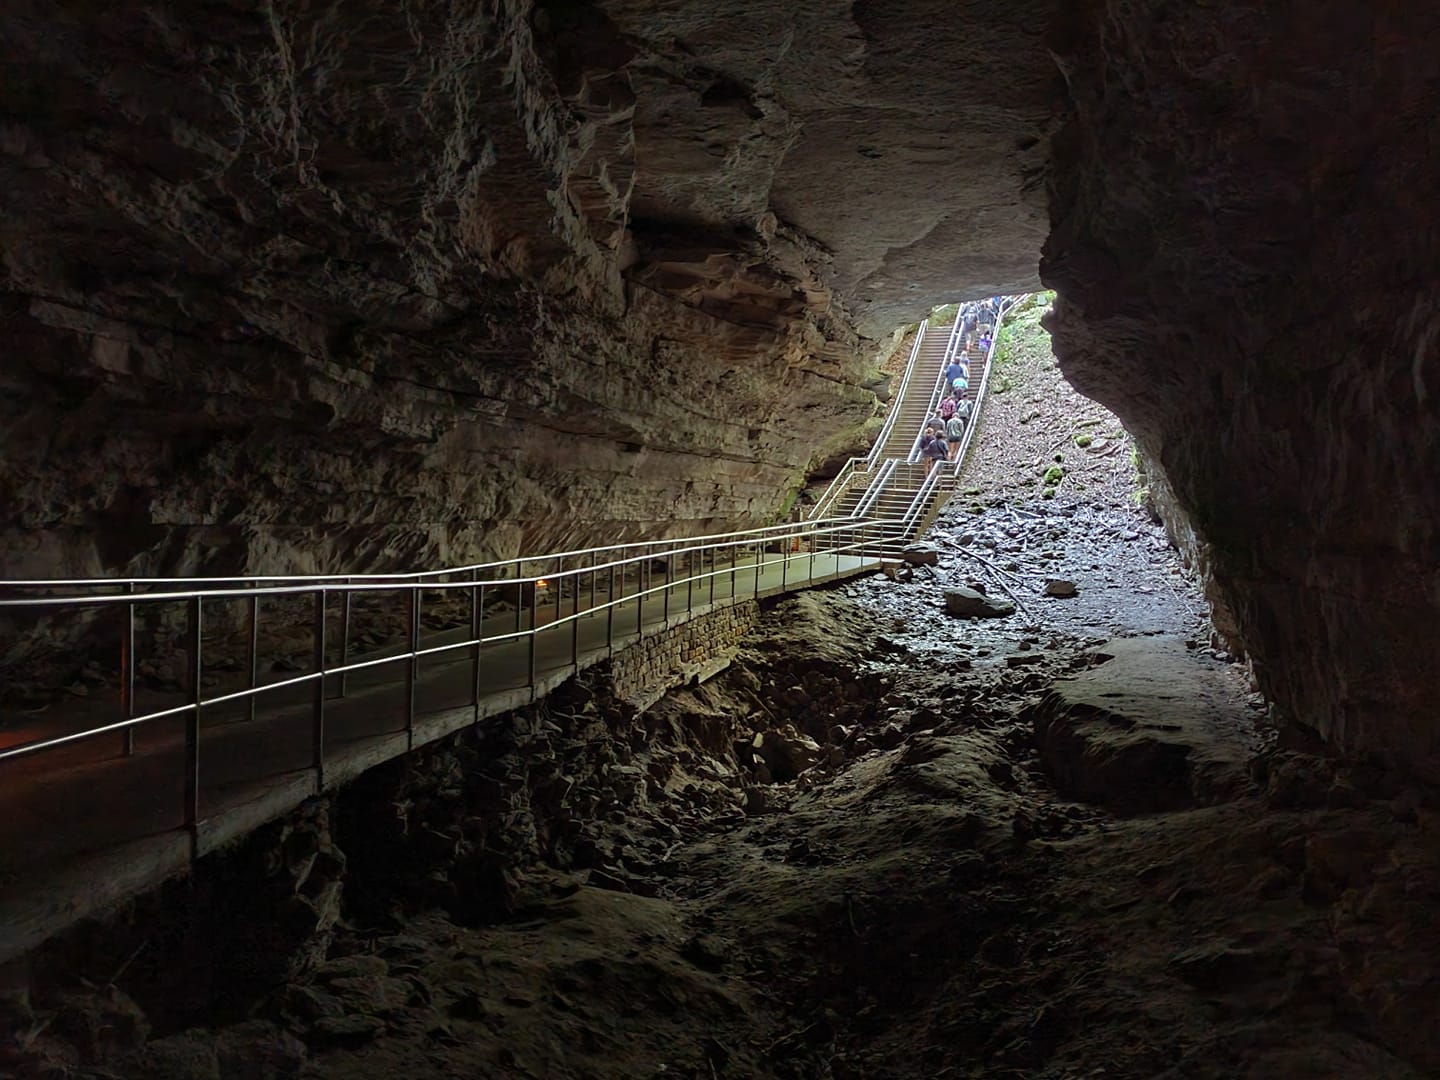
(884, 842)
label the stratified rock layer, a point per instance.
(376, 285)
(1246, 252)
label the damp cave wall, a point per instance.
(380, 286)
(1245, 246)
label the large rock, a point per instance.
(1149, 729)
(962, 601)
(921, 554)
(785, 753)
(255, 1050)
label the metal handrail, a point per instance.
(1006, 305)
(894, 412)
(917, 504)
(248, 583)
(836, 487)
(986, 366)
(877, 485)
(321, 591)
(359, 583)
(937, 395)
(865, 464)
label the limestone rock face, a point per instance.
(300, 288)
(1248, 279)
(303, 288)
(1146, 731)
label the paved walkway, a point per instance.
(83, 826)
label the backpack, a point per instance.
(947, 408)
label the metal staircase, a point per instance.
(892, 482)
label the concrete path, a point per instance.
(83, 825)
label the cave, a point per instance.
(295, 288)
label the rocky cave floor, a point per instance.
(1060, 843)
(886, 842)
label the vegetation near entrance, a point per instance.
(1022, 338)
(944, 315)
(1064, 445)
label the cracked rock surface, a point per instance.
(942, 885)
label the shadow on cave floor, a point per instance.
(884, 843)
(1055, 844)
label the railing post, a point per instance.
(192, 725)
(784, 563)
(477, 609)
(759, 560)
(252, 649)
(317, 731)
(412, 667)
(534, 632)
(669, 579)
(640, 593)
(690, 580)
(610, 613)
(127, 672)
(575, 621)
(519, 598)
(345, 636)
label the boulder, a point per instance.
(1149, 730)
(1060, 588)
(785, 753)
(921, 555)
(976, 605)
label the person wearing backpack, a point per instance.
(955, 432)
(947, 408)
(935, 451)
(952, 372)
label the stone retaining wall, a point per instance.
(695, 649)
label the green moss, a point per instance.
(944, 315)
(1047, 493)
(1083, 441)
(1054, 475)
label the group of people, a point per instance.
(945, 431)
(977, 323)
(942, 438)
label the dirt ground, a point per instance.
(889, 842)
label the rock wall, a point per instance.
(371, 286)
(1247, 275)
(347, 291)
(311, 288)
